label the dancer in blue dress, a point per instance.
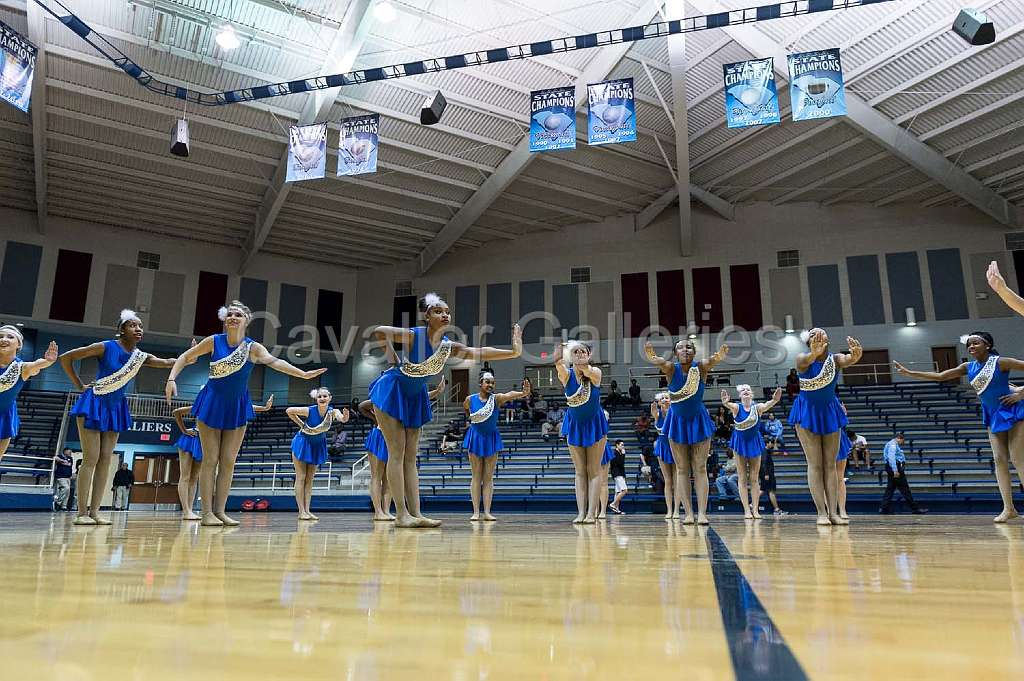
(1002, 409)
(584, 425)
(606, 463)
(377, 451)
(400, 396)
(747, 444)
(688, 425)
(659, 413)
(819, 418)
(309, 446)
(101, 410)
(223, 407)
(483, 440)
(13, 374)
(190, 458)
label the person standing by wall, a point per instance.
(62, 464)
(123, 481)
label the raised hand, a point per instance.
(270, 401)
(777, 395)
(51, 352)
(556, 354)
(170, 390)
(994, 277)
(650, 352)
(309, 375)
(900, 369)
(818, 344)
(526, 387)
(344, 415)
(725, 395)
(442, 383)
(517, 340)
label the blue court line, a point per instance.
(756, 645)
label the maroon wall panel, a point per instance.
(745, 281)
(672, 300)
(212, 294)
(636, 311)
(707, 299)
(71, 287)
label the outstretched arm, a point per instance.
(767, 406)
(433, 394)
(261, 356)
(179, 418)
(848, 359)
(664, 366)
(998, 284)
(203, 347)
(296, 414)
(391, 335)
(159, 363)
(488, 353)
(502, 398)
(266, 407)
(711, 362)
(947, 375)
(560, 368)
(68, 358)
(30, 369)
(342, 415)
(729, 404)
(366, 409)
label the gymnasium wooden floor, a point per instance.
(528, 597)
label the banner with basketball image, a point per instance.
(611, 116)
(17, 64)
(307, 152)
(750, 96)
(357, 146)
(816, 85)
(553, 119)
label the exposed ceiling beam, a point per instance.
(817, 160)
(883, 131)
(831, 177)
(716, 203)
(877, 183)
(341, 55)
(596, 70)
(37, 34)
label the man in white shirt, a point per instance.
(860, 453)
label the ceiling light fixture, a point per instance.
(384, 12)
(227, 38)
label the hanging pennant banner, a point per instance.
(816, 85)
(357, 148)
(17, 64)
(307, 152)
(553, 119)
(612, 112)
(750, 97)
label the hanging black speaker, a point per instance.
(974, 27)
(179, 138)
(433, 107)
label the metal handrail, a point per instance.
(33, 472)
(281, 470)
(363, 465)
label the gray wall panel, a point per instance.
(19, 278)
(499, 313)
(823, 288)
(168, 295)
(253, 292)
(291, 312)
(946, 275)
(531, 299)
(992, 305)
(466, 313)
(786, 296)
(904, 273)
(565, 304)
(120, 291)
(865, 289)
(600, 304)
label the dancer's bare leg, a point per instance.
(829, 452)
(1016, 446)
(1000, 443)
(668, 474)
(487, 491)
(602, 510)
(310, 478)
(300, 488)
(476, 465)
(3, 446)
(595, 453)
(684, 492)
(185, 489)
(90, 440)
(754, 473)
(101, 476)
(412, 479)
(841, 488)
(394, 436)
(209, 438)
(385, 493)
(230, 443)
(811, 445)
(579, 462)
(699, 467)
(376, 486)
(741, 472)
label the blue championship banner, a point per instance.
(612, 112)
(307, 152)
(16, 67)
(357, 147)
(750, 96)
(816, 85)
(553, 119)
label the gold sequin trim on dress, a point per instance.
(984, 377)
(689, 388)
(432, 366)
(122, 376)
(225, 366)
(750, 421)
(484, 412)
(9, 378)
(824, 377)
(581, 396)
(324, 426)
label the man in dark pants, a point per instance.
(895, 469)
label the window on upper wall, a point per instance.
(148, 261)
(579, 275)
(403, 288)
(788, 258)
(1014, 241)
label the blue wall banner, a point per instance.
(750, 97)
(612, 112)
(17, 63)
(357, 148)
(553, 119)
(144, 431)
(307, 152)
(816, 85)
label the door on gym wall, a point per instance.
(946, 357)
(460, 382)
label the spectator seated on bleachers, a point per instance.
(549, 432)
(556, 415)
(451, 439)
(338, 442)
(727, 481)
(634, 392)
(614, 396)
(642, 427)
(540, 410)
